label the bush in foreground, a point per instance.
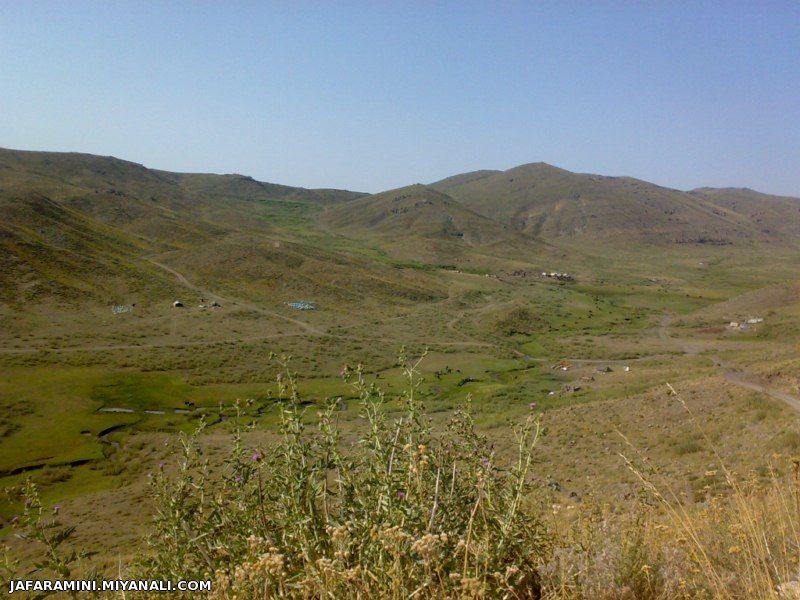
(399, 513)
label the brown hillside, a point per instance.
(76, 227)
(419, 211)
(770, 214)
(542, 200)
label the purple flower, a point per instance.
(161, 465)
(256, 456)
(485, 461)
(56, 508)
(401, 494)
(14, 519)
(238, 479)
(532, 405)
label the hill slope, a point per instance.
(424, 224)
(48, 250)
(75, 227)
(541, 200)
(416, 210)
(771, 214)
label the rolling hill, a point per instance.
(53, 251)
(425, 224)
(75, 227)
(416, 210)
(771, 214)
(541, 200)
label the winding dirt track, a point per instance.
(307, 327)
(234, 301)
(735, 376)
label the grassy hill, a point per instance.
(76, 226)
(773, 215)
(422, 223)
(541, 200)
(420, 211)
(50, 250)
(243, 187)
(66, 214)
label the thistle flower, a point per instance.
(256, 456)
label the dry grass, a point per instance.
(399, 512)
(741, 541)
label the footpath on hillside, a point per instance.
(735, 376)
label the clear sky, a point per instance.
(372, 95)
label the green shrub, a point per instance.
(688, 445)
(786, 441)
(399, 513)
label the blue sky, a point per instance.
(374, 95)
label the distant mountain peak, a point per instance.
(542, 200)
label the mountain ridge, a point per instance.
(543, 200)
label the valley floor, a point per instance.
(92, 401)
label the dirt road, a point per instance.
(228, 301)
(735, 376)
(234, 301)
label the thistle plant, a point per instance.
(46, 534)
(403, 512)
